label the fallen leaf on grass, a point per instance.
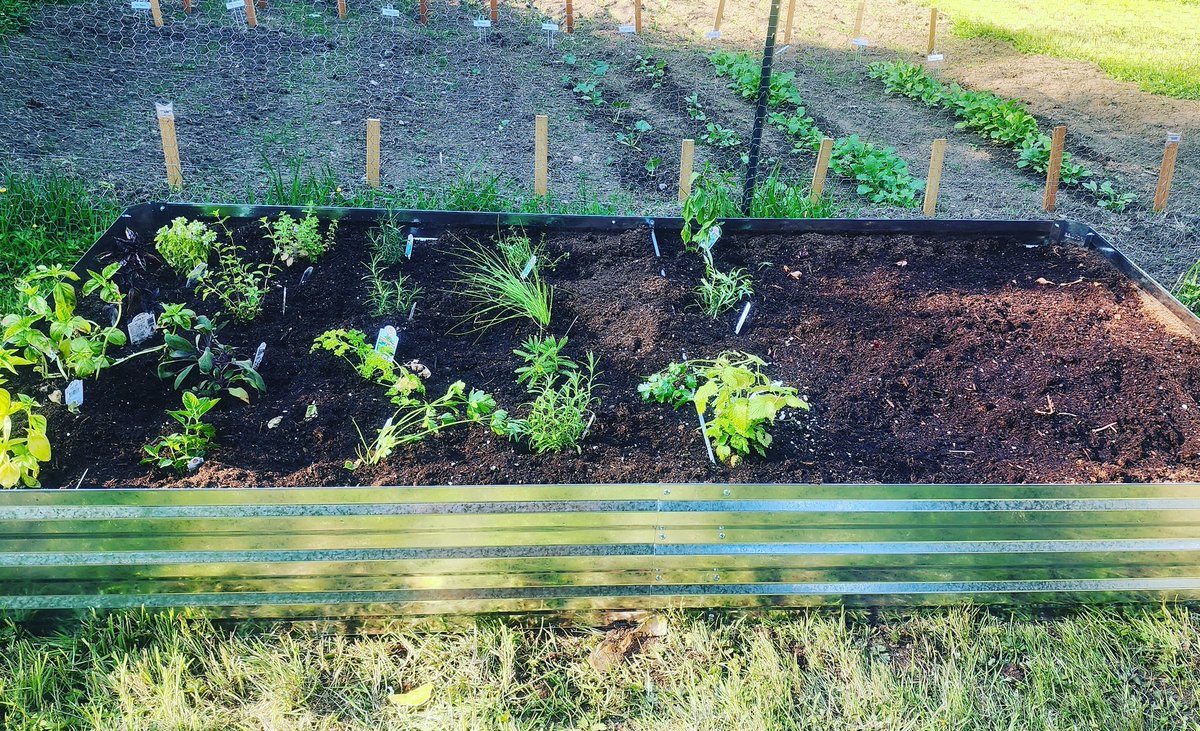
(413, 698)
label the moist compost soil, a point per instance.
(926, 360)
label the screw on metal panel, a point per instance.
(666, 492)
(721, 536)
(658, 577)
(727, 493)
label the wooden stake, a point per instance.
(187, 6)
(373, 152)
(166, 130)
(541, 154)
(935, 176)
(424, 12)
(933, 16)
(1054, 171)
(791, 16)
(341, 9)
(570, 16)
(686, 162)
(637, 16)
(251, 16)
(1166, 173)
(156, 13)
(720, 15)
(858, 18)
(818, 184)
(495, 11)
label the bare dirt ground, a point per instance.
(80, 88)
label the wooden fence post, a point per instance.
(637, 16)
(933, 18)
(341, 9)
(424, 10)
(858, 20)
(187, 6)
(541, 154)
(818, 183)
(166, 130)
(687, 158)
(1054, 167)
(934, 183)
(570, 16)
(1166, 173)
(791, 16)
(373, 152)
(495, 16)
(720, 15)
(251, 16)
(156, 13)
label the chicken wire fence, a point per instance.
(456, 95)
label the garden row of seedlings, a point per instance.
(774, 196)
(735, 401)
(881, 175)
(1000, 121)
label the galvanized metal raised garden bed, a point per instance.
(312, 552)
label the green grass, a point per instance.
(938, 669)
(46, 219)
(1150, 42)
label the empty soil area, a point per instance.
(925, 360)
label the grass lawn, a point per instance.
(938, 669)
(1155, 43)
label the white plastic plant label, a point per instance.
(387, 342)
(165, 110)
(140, 4)
(390, 12)
(860, 42)
(74, 394)
(713, 35)
(528, 267)
(550, 27)
(935, 57)
(627, 29)
(307, 275)
(408, 247)
(483, 23)
(197, 274)
(141, 327)
(235, 4)
(1174, 137)
(258, 355)
(742, 320)
(714, 235)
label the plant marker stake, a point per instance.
(787, 36)
(166, 130)
(408, 246)
(495, 15)
(187, 6)
(387, 342)
(1054, 167)
(528, 267)
(715, 33)
(156, 13)
(412, 312)
(74, 395)
(541, 154)
(570, 16)
(932, 44)
(687, 157)
(858, 20)
(424, 12)
(1166, 173)
(341, 9)
(258, 354)
(251, 16)
(551, 29)
(934, 184)
(141, 327)
(587, 428)
(373, 152)
(822, 169)
(637, 17)
(742, 320)
(307, 275)
(284, 311)
(703, 427)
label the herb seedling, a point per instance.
(543, 361)
(738, 400)
(416, 419)
(389, 296)
(632, 138)
(185, 244)
(293, 240)
(560, 412)
(719, 291)
(20, 456)
(718, 136)
(654, 69)
(214, 363)
(498, 292)
(240, 287)
(652, 165)
(178, 450)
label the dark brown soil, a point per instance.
(924, 360)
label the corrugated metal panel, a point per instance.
(357, 551)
